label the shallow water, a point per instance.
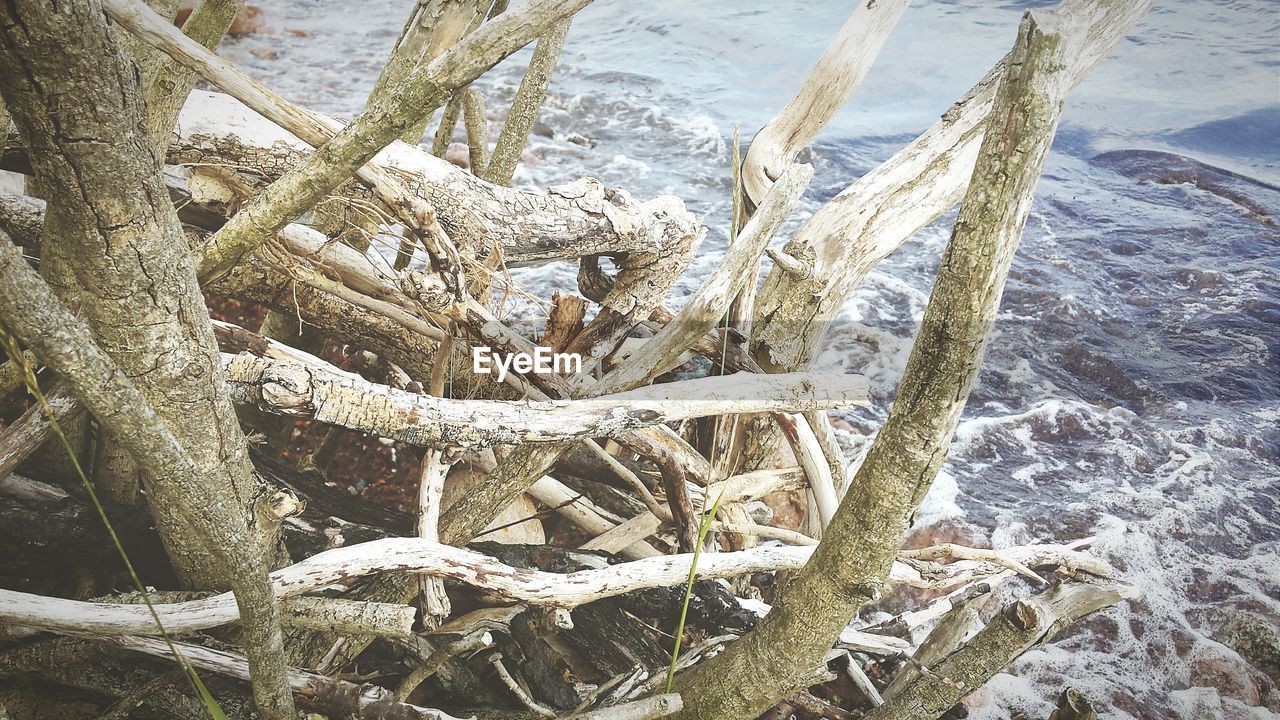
(1132, 388)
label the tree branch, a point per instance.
(901, 463)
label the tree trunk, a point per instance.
(848, 567)
(112, 226)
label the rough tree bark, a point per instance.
(167, 84)
(78, 106)
(1017, 628)
(818, 268)
(230, 534)
(433, 27)
(848, 568)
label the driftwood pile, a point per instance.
(383, 249)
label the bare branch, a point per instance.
(533, 587)
(317, 390)
(1019, 627)
(838, 73)
(525, 106)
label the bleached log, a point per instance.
(953, 629)
(625, 535)
(859, 678)
(838, 73)
(322, 392)
(850, 639)
(1022, 625)
(517, 584)
(584, 513)
(367, 702)
(567, 221)
(20, 488)
(873, 217)
(347, 617)
(737, 489)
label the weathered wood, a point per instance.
(114, 250)
(425, 87)
(708, 304)
(433, 27)
(473, 568)
(901, 463)
(167, 90)
(95, 669)
(838, 73)
(477, 126)
(322, 392)
(1019, 627)
(32, 429)
(568, 221)
(366, 702)
(873, 216)
(524, 108)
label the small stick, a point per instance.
(477, 126)
(437, 659)
(519, 692)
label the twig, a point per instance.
(952, 550)
(477, 126)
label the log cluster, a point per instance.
(394, 257)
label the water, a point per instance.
(1132, 388)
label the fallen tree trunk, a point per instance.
(584, 218)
